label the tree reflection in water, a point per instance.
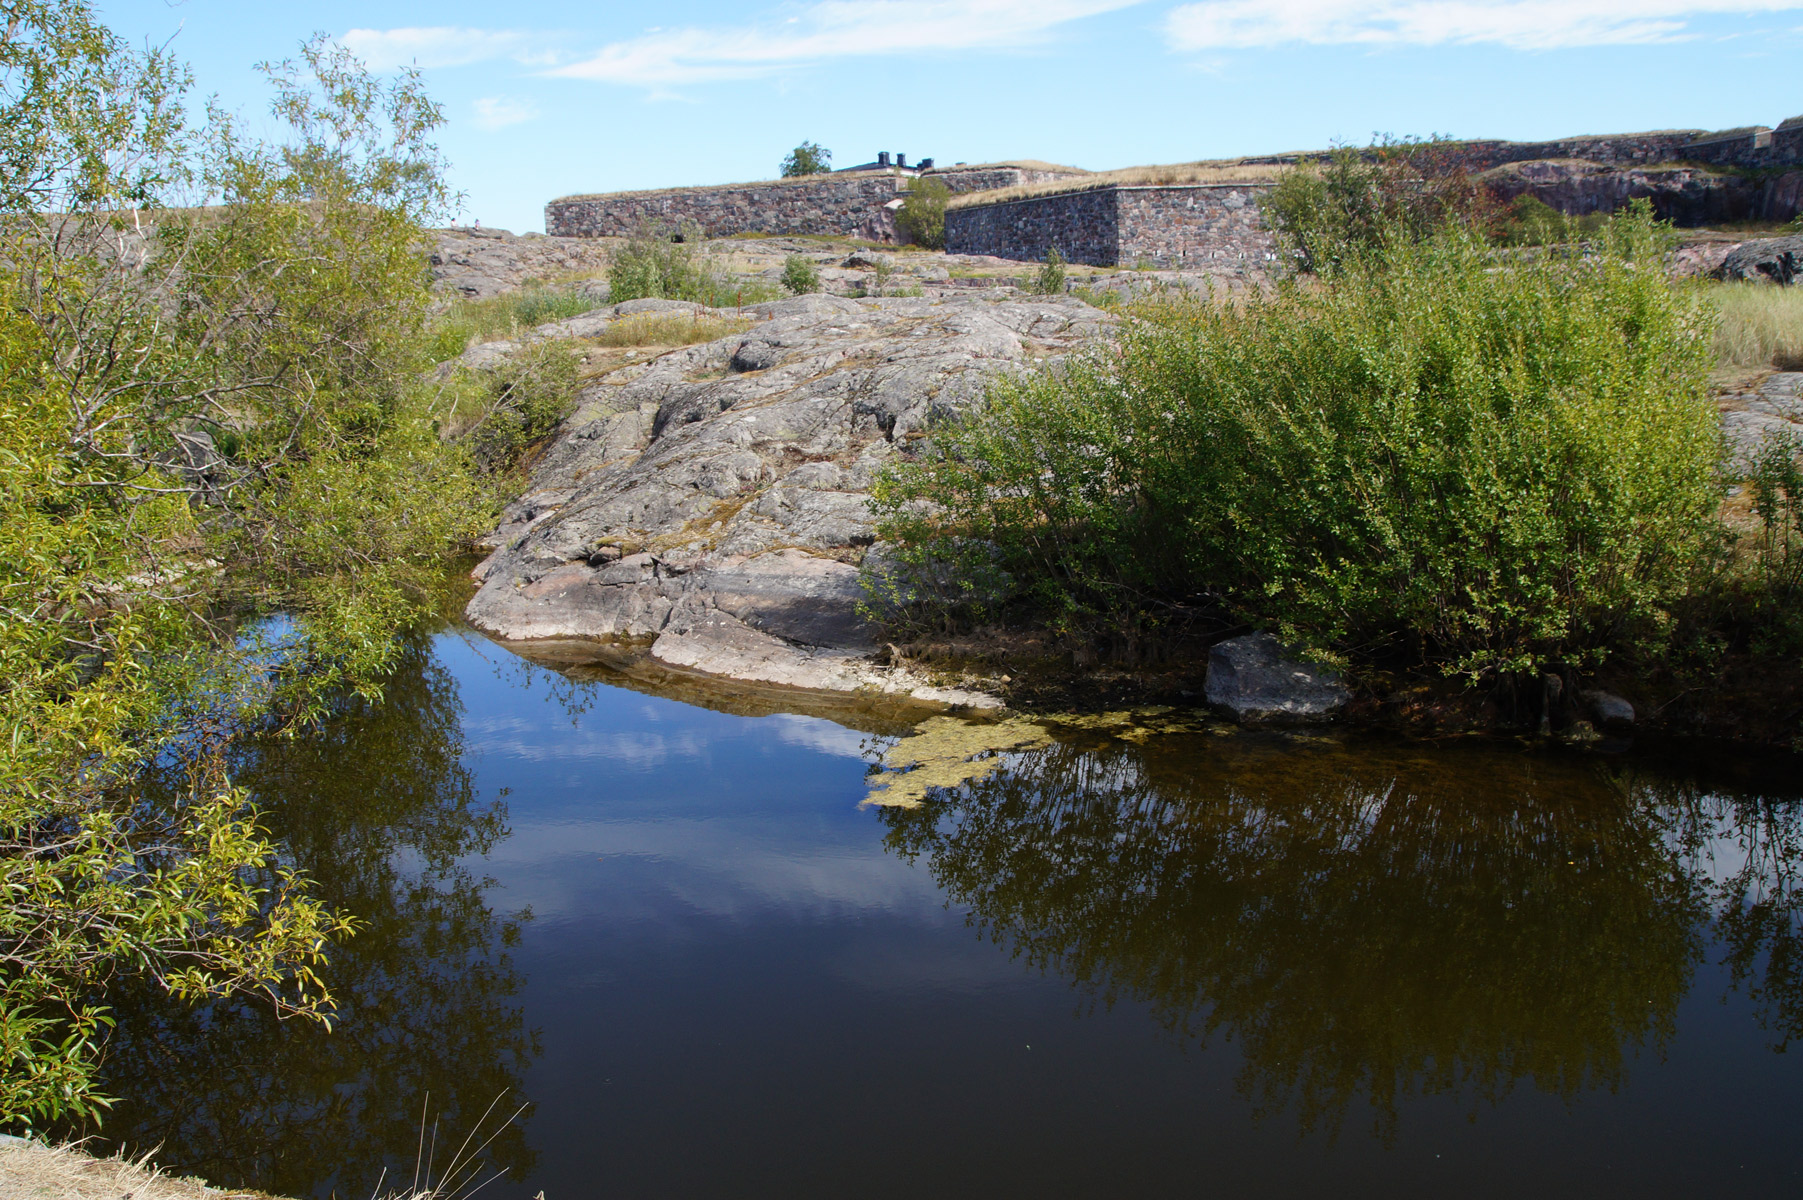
(1373, 922)
(1748, 849)
(377, 808)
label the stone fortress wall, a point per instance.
(1217, 228)
(1214, 227)
(1754, 146)
(858, 204)
(1751, 146)
(1691, 176)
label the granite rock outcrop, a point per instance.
(715, 500)
(1769, 412)
(1765, 260)
(479, 263)
(1683, 194)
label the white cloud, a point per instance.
(498, 112)
(1516, 24)
(822, 735)
(442, 46)
(835, 29)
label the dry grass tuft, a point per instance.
(668, 329)
(1025, 164)
(1762, 325)
(33, 1171)
(466, 323)
(1149, 176)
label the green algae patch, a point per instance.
(1137, 725)
(946, 752)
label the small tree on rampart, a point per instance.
(809, 158)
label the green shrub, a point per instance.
(657, 263)
(800, 275)
(1771, 582)
(809, 158)
(504, 411)
(1050, 279)
(1529, 221)
(284, 327)
(921, 218)
(1490, 465)
(1358, 200)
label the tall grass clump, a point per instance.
(667, 329)
(1438, 456)
(469, 322)
(1761, 325)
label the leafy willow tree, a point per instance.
(1436, 459)
(378, 806)
(210, 410)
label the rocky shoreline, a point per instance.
(704, 513)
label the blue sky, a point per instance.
(547, 97)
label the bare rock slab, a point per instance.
(479, 263)
(1258, 681)
(716, 500)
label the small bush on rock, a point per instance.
(1050, 280)
(921, 218)
(1492, 465)
(1359, 200)
(656, 263)
(660, 265)
(800, 275)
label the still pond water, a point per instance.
(1180, 964)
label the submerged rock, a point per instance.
(1256, 680)
(1611, 711)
